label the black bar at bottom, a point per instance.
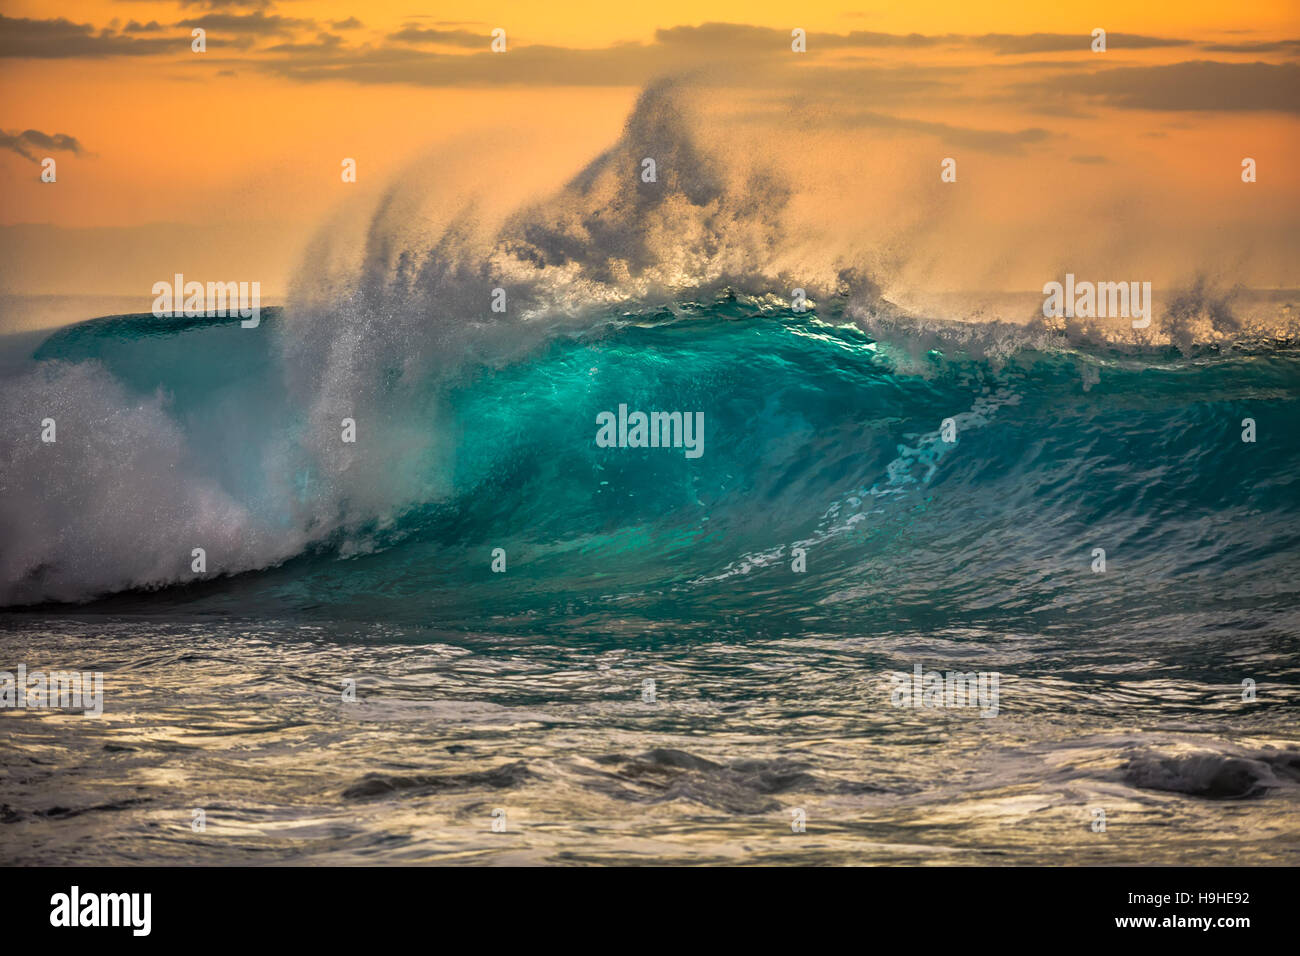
(1224, 906)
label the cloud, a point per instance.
(27, 141)
(720, 41)
(435, 53)
(1194, 85)
(1291, 47)
(63, 39)
(721, 37)
(716, 52)
(413, 34)
(249, 24)
(531, 65)
(1007, 43)
(733, 38)
(723, 52)
(325, 42)
(226, 4)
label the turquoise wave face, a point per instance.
(830, 496)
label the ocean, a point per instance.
(474, 634)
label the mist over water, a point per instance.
(824, 442)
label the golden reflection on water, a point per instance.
(256, 734)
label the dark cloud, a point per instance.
(351, 23)
(325, 42)
(1291, 47)
(1008, 43)
(444, 23)
(1089, 160)
(248, 24)
(28, 141)
(723, 38)
(739, 55)
(227, 4)
(1194, 85)
(413, 34)
(723, 51)
(531, 65)
(61, 39)
(867, 39)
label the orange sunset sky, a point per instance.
(223, 164)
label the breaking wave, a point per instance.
(475, 427)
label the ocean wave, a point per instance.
(476, 426)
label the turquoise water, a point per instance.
(522, 690)
(817, 437)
